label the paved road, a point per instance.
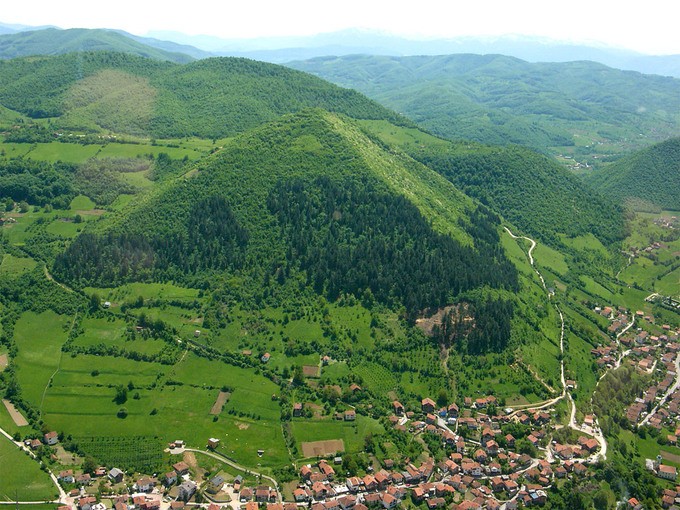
(233, 464)
(596, 433)
(668, 393)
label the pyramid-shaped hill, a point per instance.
(310, 198)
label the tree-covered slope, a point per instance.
(503, 100)
(211, 98)
(649, 176)
(308, 199)
(529, 189)
(53, 41)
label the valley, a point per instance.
(217, 305)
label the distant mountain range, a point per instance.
(355, 41)
(581, 109)
(341, 43)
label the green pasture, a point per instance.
(110, 331)
(39, 338)
(669, 285)
(14, 266)
(164, 291)
(550, 258)
(585, 242)
(21, 478)
(352, 433)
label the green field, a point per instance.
(352, 433)
(39, 338)
(14, 266)
(21, 477)
(110, 331)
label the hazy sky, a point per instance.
(648, 27)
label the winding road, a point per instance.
(233, 464)
(595, 432)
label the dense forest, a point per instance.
(211, 98)
(529, 189)
(277, 202)
(350, 237)
(647, 178)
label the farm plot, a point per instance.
(21, 477)
(142, 454)
(111, 333)
(39, 338)
(351, 434)
(322, 448)
(221, 399)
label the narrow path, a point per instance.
(49, 276)
(233, 464)
(61, 355)
(596, 433)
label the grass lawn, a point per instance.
(21, 477)
(546, 256)
(111, 332)
(14, 266)
(39, 338)
(352, 433)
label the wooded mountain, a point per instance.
(53, 41)
(650, 176)
(211, 98)
(577, 108)
(308, 198)
(529, 189)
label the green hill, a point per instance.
(529, 189)
(311, 197)
(53, 41)
(650, 176)
(211, 98)
(579, 109)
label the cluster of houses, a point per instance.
(618, 318)
(478, 473)
(179, 477)
(655, 355)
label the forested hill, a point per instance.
(529, 189)
(580, 108)
(650, 176)
(211, 98)
(53, 41)
(308, 200)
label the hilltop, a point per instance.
(53, 41)
(127, 94)
(575, 109)
(650, 176)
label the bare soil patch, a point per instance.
(91, 212)
(18, 418)
(670, 456)
(221, 399)
(3, 362)
(190, 459)
(241, 425)
(323, 448)
(310, 370)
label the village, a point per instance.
(494, 459)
